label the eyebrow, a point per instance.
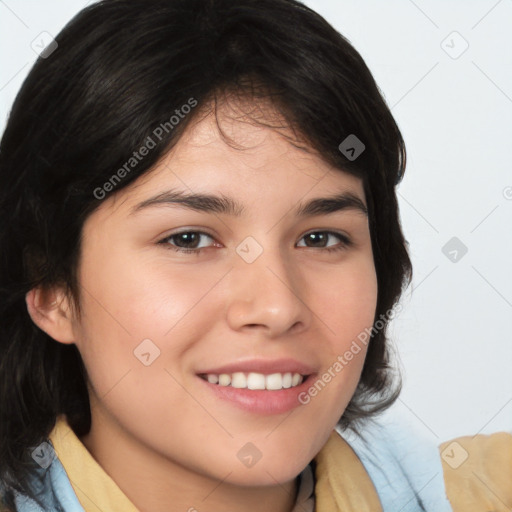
(222, 204)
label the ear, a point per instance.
(51, 312)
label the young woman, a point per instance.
(201, 252)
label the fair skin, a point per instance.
(159, 431)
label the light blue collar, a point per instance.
(404, 465)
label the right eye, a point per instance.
(189, 239)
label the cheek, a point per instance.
(129, 301)
(346, 302)
(140, 294)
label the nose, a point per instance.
(266, 295)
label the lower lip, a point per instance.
(261, 401)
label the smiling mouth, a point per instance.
(255, 381)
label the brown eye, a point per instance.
(186, 241)
(319, 239)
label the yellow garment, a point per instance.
(342, 483)
(483, 480)
(340, 486)
(93, 487)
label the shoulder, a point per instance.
(478, 472)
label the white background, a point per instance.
(454, 333)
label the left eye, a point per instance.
(322, 236)
(188, 241)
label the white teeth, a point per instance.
(224, 379)
(274, 381)
(288, 380)
(213, 379)
(239, 380)
(256, 381)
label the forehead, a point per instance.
(234, 151)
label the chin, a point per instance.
(262, 477)
(268, 472)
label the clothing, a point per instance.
(382, 469)
(483, 482)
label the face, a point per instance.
(178, 301)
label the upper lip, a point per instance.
(264, 366)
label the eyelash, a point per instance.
(345, 242)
